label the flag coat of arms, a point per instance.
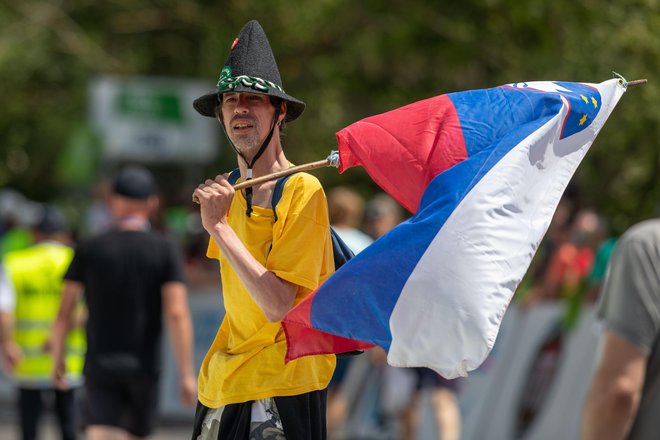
(482, 171)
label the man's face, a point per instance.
(247, 118)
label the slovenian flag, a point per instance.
(483, 172)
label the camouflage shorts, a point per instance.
(265, 422)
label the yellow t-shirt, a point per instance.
(246, 360)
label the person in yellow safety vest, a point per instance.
(30, 290)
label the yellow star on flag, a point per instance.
(583, 119)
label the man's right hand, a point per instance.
(59, 375)
(188, 390)
(214, 197)
(12, 355)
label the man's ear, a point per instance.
(282, 115)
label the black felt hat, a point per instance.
(251, 68)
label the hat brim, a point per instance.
(206, 104)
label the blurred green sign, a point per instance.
(157, 104)
(151, 119)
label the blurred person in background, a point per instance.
(604, 243)
(571, 261)
(382, 213)
(131, 277)
(346, 212)
(17, 217)
(30, 290)
(445, 405)
(97, 217)
(588, 292)
(624, 399)
(402, 388)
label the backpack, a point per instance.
(340, 250)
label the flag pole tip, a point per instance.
(625, 84)
(637, 82)
(333, 159)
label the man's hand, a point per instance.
(188, 390)
(70, 292)
(12, 355)
(214, 197)
(59, 375)
(47, 346)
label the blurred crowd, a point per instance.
(182, 223)
(569, 267)
(571, 261)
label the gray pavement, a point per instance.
(9, 431)
(166, 429)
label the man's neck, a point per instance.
(271, 161)
(133, 222)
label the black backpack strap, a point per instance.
(277, 192)
(233, 176)
(340, 250)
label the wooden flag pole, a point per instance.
(331, 161)
(637, 82)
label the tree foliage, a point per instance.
(347, 60)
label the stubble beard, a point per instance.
(247, 142)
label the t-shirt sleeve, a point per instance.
(76, 270)
(630, 302)
(301, 251)
(174, 268)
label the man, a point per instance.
(267, 265)
(624, 399)
(30, 289)
(129, 275)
